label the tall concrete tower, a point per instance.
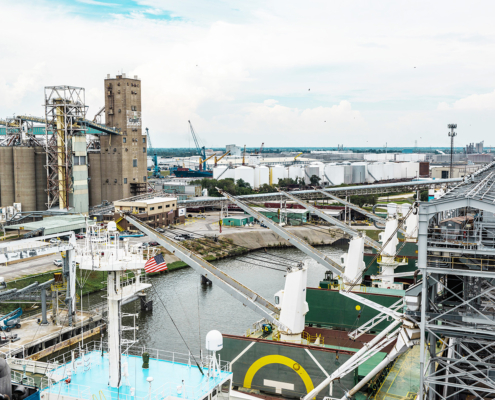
(123, 158)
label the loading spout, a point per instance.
(306, 248)
(236, 289)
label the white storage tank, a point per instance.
(414, 166)
(321, 166)
(296, 172)
(276, 172)
(359, 172)
(347, 173)
(388, 171)
(397, 171)
(309, 171)
(244, 173)
(264, 175)
(334, 174)
(256, 177)
(375, 170)
(403, 170)
(217, 171)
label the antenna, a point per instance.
(452, 134)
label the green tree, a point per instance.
(423, 195)
(315, 180)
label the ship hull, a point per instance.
(189, 173)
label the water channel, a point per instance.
(197, 309)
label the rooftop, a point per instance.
(56, 224)
(146, 201)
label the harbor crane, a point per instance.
(222, 156)
(155, 172)
(200, 149)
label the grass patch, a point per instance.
(372, 233)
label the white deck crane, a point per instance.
(236, 289)
(306, 248)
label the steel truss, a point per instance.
(64, 106)
(458, 293)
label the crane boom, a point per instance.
(236, 289)
(201, 150)
(358, 209)
(306, 248)
(95, 119)
(334, 221)
(222, 156)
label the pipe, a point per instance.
(365, 348)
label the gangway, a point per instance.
(236, 289)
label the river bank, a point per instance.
(229, 245)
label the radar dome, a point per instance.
(111, 226)
(214, 341)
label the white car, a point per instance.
(54, 241)
(58, 262)
(179, 238)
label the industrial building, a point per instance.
(458, 171)
(158, 212)
(118, 168)
(69, 162)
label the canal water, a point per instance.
(183, 307)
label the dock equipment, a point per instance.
(200, 149)
(11, 320)
(236, 289)
(155, 172)
(334, 221)
(306, 248)
(455, 302)
(219, 158)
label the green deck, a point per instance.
(327, 307)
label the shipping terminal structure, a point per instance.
(63, 160)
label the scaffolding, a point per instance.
(456, 254)
(64, 107)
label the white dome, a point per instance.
(214, 341)
(111, 226)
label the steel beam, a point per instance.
(306, 248)
(334, 221)
(236, 289)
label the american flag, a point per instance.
(155, 264)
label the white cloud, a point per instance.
(485, 101)
(97, 3)
(222, 64)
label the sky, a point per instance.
(286, 73)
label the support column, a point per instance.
(70, 275)
(114, 321)
(44, 321)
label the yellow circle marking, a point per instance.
(358, 307)
(277, 359)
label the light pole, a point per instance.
(452, 134)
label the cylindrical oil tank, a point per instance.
(94, 172)
(244, 173)
(414, 169)
(375, 171)
(264, 174)
(277, 172)
(309, 171)
(294, 172)
(397, 171)
(41, 179)
(347, 173)
(359, 172)
(321, 175)
(334, 174)
(388, 171)
(256, 177)
(217, 171)
(7, 176)
(25, 177)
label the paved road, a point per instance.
(41, 265)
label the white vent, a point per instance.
(135, 77)
(123, 75)
(108, 76)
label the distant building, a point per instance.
(458, 171)
(182, 190)
(157, 212)
(234, 150)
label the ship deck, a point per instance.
(90, 379)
